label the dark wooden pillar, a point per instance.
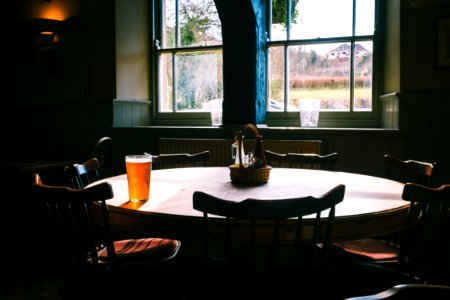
(244, 60)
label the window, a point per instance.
(315, 49)
(321, 49)
(189, 56)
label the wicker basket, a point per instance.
(249, 175)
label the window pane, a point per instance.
(279, 20)
(169, 19)
(165, 83)
(199, 23)
(365, 17)
(320, 71)
(363, 76)
(322, 19)
(198, 79)
(276, 79)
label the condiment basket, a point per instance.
(246, 174)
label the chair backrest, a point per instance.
(427, 230)
(410, 291)
(408, 170)
(77, 238)
(180, 160)
(302, 160)
(80, 175)
(243, 221)
(103, 151)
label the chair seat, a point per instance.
(367, 249)
(158, 249)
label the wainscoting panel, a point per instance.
(221, 148)
(360, 151)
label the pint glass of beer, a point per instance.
(139, 169)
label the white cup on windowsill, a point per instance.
(309, 112)
(216, 112)
(216, 117)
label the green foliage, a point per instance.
(279, 12)
(198, 18)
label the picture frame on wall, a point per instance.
(443, 43)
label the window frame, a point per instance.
(273, 119)
(351, 119)
(174, 118)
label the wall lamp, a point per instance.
(46, 31)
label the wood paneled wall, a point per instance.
(360, 151)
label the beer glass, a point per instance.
(139, 169)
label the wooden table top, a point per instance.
(371, 206)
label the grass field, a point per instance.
(337, 98)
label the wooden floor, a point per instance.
(182, 284)
(38, 288)
(38, 282)
(50, 287)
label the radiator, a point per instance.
(220, 149)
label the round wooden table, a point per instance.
(372, 206)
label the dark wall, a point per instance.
(61, 93)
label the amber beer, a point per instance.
(138, 174)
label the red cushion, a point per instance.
(153, 249)
(368, 249)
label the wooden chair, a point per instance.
(267, 265)
(386, 249)
(410, 291)
(408, 170)
(426, 230)
(302, 160)
(103, 152)
(97, 265)
(81, 175)
(180, 160)
(422, 252)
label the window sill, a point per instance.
(263, 129)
